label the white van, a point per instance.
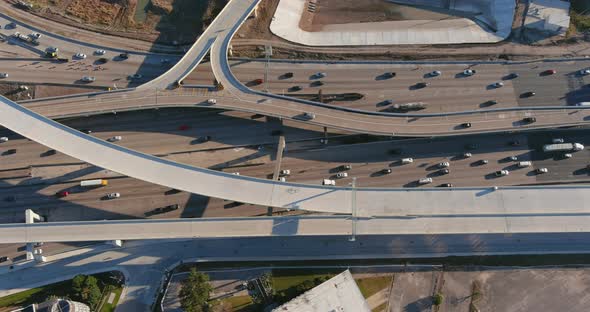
(407, 160)
(425, 181)
(524, 164)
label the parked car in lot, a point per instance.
(113, 195)
(501, 173)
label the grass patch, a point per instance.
(60, 289)
(284, 279)
(580, 14)
(380, 308)
(110, 307)
(372, 285)
(241, 304)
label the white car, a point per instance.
(444, 165)
(35, 35)
(425, 181)
(115, 138)
(113, 195)
(211, 101)
(435, 73)
(501, 173)
(568, 155)
(320, 75)
(88, 78)
(557, 140)
(3, 139)
(328, 182)
(407, 160)
(341, 175)
(282, 179)
(309, 116)
(469, 72)
(498, 84)
(542, 170)
(585, 72)
(80, 56)
(3, 75)
(100, 52)
(235, 173)
(467, 155)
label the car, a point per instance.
(184, 127)
(116, 138)
(514, 143)
(443, 171)
(52, 49)
(282, 179)
(62, 194)
(285, 172)
(10, 151)
(386, 171)
(557, 140)
(466, 125)
(584, 72)
(11, 25)
(202, 139)
(320, 75)
(435, 73)
(468, 72)
(167, 208)
(425, 181)
(511, 158)
(444, 164)
(345, 167)
(407, 160)
(308, 116)
(386, 102)
(541, 170)
(211, 101)
(136, 76)
(498, 84)
(489, 103)
(124, 55)
(512, 76)
(50, 152)
(529, 119)
(445, 185)
(38, 244)
(328, 182)
(549, 72)
(421, 85)
(102, 60)
(235, 173)
(4, 259)
(528, 94)
(389, 74)
(35, 35)
(317, 83)
(80, 56)
(87, 131)
(524, 164)
(3, 75)
(501, 173)
(3, 139)
(113, 195)
(100, 52)
(288, 75)
(88, 78)
(341, 175)
(467, 155)
(295, 88)
(483, 162)
(568, 155)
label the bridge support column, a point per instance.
(31, 217)
(116, 242)
(38, 255)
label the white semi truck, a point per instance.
(97, 182)
(563, 147)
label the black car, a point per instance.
(528, 94)
(317, 83)
(102, 60)
(466, 125)
(529, 119)
(4, 259)
(288, 75)
(512, 76)
(124, 55)
(386, 171)
(87, 131)
(421, 85)
(443, 171)
(390, 74)
(10, 151)
(445, 185)
(295, 88)
(489, 103)
(166, 209)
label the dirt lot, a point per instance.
(164, 21)
(366, 11)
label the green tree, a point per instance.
(195, 292)
(86, 289)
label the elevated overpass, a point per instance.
(288, 226)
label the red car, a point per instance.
(549, 72)
(62, 194)
(184, 127)
(258, 81)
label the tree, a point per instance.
(86, 289)
(195, 292)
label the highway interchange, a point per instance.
(245, 141)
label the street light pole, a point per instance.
(353, 209)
